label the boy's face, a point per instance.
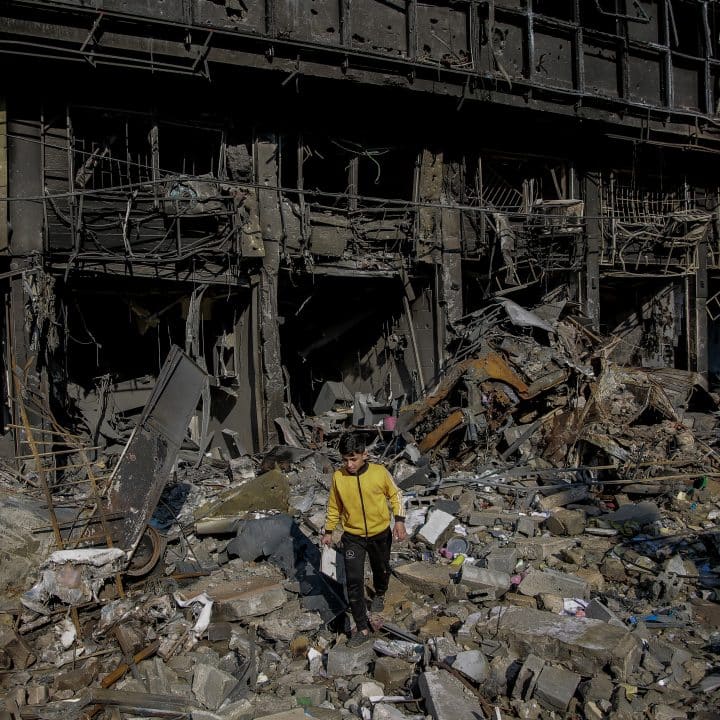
(354, 461)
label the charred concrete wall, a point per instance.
(300, 195)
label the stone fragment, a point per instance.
(564, 497)
(556, 687)
(343, 660)
(540, 548)
(552, 603)
(392, 673)
(371, 689)
(286, 629)
(526, 526)
(527, 677)
(473, 664)
(599, 687)
(37, 694)
(310, 695)
(491, 582)
(425, 578)
(219, 631)
(502, 560)
(245, 597)
(613, 570)
(566, 522)
(269, 491)
(212, 686)
(552, 582)
(444, 697)
(598, 611)
(77, 679)
(297, 714)
(15, 647)
(585, 645)
(383, 711)
(437, 529)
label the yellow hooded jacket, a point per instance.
(360, 502)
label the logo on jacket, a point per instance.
(349, 554)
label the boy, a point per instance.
(359, 500)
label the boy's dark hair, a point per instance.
(351, 443)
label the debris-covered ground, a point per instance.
(563, 557)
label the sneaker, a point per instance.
(378, 604)
(358, 639)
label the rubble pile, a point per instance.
(563, 559)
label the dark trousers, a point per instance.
(377, 548)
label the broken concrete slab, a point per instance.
(473, 664)
(502, 560)
(527, 677)
(540, 548)
(492, 582)
(212, 686)
(343, 660)
(585, 645)
(552, 582)
(437, 529)
(556, 687)
(596, 610)
(424, 577)
(241, 599)
(392, 673)
(269, 491)
(566, 522)
(444, 697)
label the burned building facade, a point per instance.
(308, 197)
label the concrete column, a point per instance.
(590, 276)
(272, 234)
(700, 335)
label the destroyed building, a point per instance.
(301, 195)
(483, 233)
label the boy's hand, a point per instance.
(399, 531)
(327, 538)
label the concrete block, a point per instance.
(503, 560)
(444, 697)
(586, 645)
(297, 714)
(383, 711)
(556, 687)
(472, 664)
(552, 582)
(597, 688)
(477, 578)
(212, 686)
(566, 522)
(526, 526)
(598, 611)
(309, 695)
(527, 677)
(343, 660)
(540, 548)
(425, 578)
(371, 689)
(437, 529)
(243, 598)
(392, 673)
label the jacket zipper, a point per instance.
(362, 504)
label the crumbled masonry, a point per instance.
(573, 575)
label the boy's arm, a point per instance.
(332, 517)
(394, 495)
